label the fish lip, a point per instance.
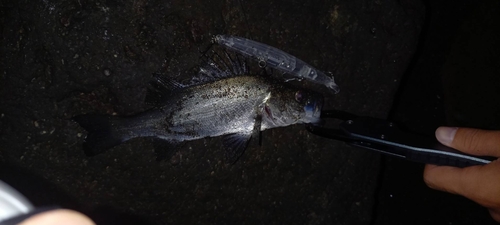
(313, 110)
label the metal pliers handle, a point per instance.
(385, 137)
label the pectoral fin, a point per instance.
(236, 144)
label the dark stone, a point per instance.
(294, 178)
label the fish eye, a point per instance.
(298, 96)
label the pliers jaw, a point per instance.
(332, 133)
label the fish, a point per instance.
(268, 56)
(236, 105)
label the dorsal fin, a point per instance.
(217, 63)
(160, 88)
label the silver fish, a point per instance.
(276, 59)
(236, 107)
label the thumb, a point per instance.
(470, 140)
(58, 217)
(495, 214)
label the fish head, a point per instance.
(292, 106)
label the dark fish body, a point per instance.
(222, 100)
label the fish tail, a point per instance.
(103, 132)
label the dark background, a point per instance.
(419, 63)
(453, 81)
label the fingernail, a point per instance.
(445, 135)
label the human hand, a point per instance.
(478, 183)
(58, 217)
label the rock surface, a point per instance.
(64, 58)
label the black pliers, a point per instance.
(384, 137)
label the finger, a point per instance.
(58, 217)
(438, 177)
(495, 214)
(471, 141)
(478, 183)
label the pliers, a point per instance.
(385, 137)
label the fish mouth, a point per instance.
(313, 109)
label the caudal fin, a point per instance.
(102, 133)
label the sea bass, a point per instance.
(236, 107)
